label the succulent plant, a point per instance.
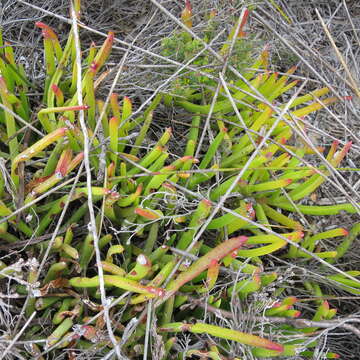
(245, 188)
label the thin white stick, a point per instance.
(19, 118)
(148, 325)
(92, 224)
(43, 196)
(29, 320)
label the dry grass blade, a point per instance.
(354, 85)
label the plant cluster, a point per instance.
(224, 204)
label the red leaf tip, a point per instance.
(94, 66)
(348, 146)
(213, 263)
(41, 25)
(345, 232)
(275, 347)
(207, 202)
(291, 300)
(243, 239)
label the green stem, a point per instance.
(119, 282)
(223, 333)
